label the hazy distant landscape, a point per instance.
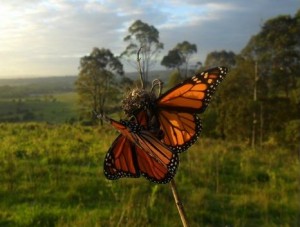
(58, 82)
(42, 81)
(49, 99)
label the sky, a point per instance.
(48, 37)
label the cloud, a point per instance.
(48, 37)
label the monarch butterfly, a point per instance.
(137, 152)
(176, 109)
(159, 128)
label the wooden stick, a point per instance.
(179, 204)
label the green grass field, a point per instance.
(51, 175)
(56, 108)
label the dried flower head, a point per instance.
(137, 99)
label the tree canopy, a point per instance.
(276, 50)
(186, 50)
(179, 55)
(145, 36)
(172, 60)
(95, 84)
(215, 58)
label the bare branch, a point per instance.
(139, 67)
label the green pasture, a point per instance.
(55, 108)
(51, 175)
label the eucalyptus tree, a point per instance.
(186, 50)
(143, 37)
(178, 56)
(215, 58)
(276, 50)
(172, 60)
(95, 83)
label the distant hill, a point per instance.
(23, 87)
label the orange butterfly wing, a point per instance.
(193, 95)
(180, 130)
(120, 160)
(137, 152)
(177, 108)
(156, 162)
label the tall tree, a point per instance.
(215, 58)
(186, 50)
(276, 50)
(146, 36)
(172, 60)
(250, 101)
(233, 101)
(95, 81)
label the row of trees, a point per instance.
(258, 100)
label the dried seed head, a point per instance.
(137, 99)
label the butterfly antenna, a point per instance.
(159, 83)
(140, 67)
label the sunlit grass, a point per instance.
(52, 175)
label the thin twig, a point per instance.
(179, 204)
(140, 67)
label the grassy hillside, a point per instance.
(51, 175)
